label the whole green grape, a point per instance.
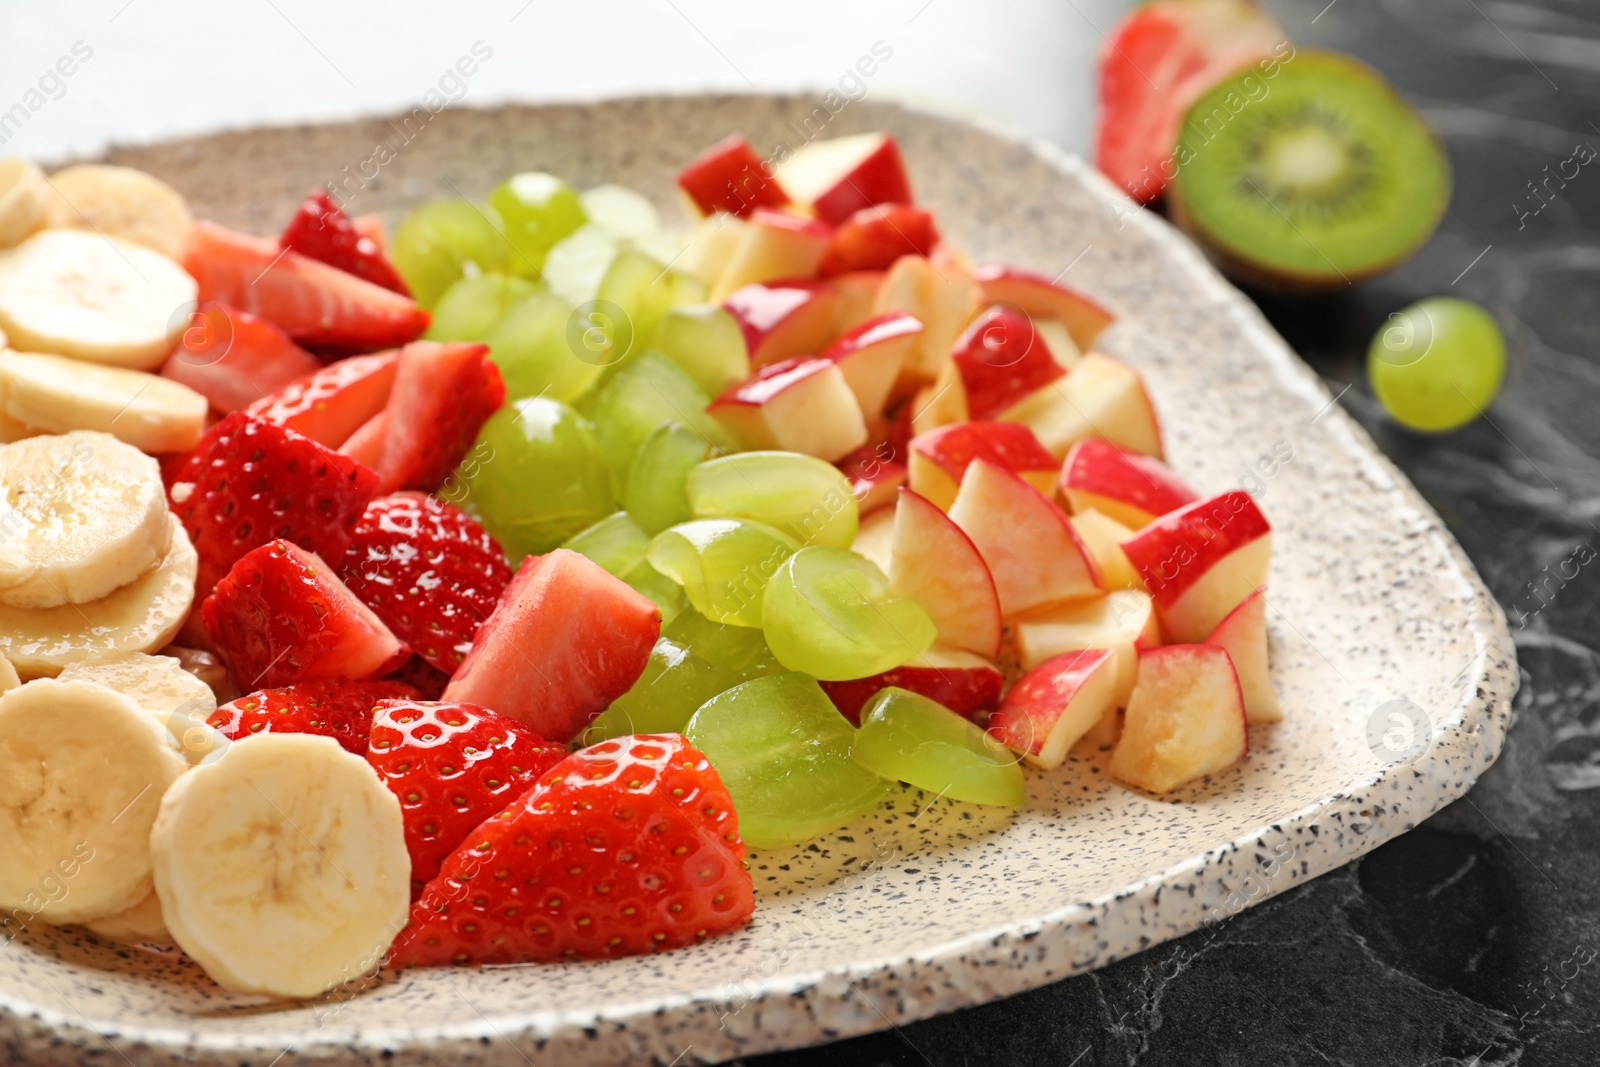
(655, 495)
(908, 737)
(740, 649)
(724, 565)
(707, 342)
(537, 209)
(1437, 364)
(470, 308)
(645, 393)
(532, 347)
(829, 612)
(615, 542)
(805, 497)
(437, 241)
(665, 593)
(674, 684)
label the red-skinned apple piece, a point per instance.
(1202, 561)
(944, 299)
(943, 402)
(1002, 359)
(1052, 706)
(966, 684)
(1102, 397)
(772, 245)
(1185, 720)
(874, 237)
(1041, 298)
(936, 564)
(857, 291)
(839, 177)
(729, 176)
(940, 458)
(871, 355)
(1103, 536)
(1032, 551)
(783, 319)
(1244, 634)
(875, 481)
(796, 405)
(875, 538)
(1123, 621)
(1132, 488)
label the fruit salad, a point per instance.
(480, 594)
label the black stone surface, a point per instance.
(1474, 940)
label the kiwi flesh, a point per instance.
(1316, 177)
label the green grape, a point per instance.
(704, 340)
(829, 612)
(1437, 364)
(469, 309)
(805, 497)
(621, 212)
(740, 649)
(906, 736)
(535, 476)
(655, 494)
(783, 751)
(532, 346)
(724, 565)
(576, 264)
(614, 542)
(435, 243)
(537, 210)
(663, 591)
(671, 290)
(645, 393)
(624, 287)
(674, 684)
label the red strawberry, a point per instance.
(628, 847)
(422, 676)
(335, 401)
(365, 446)
(874, 237)
(320, 229)
(338, 709)
(233, 358)
(429, 571)
(249, 482)
(452, 766)
(443, 394)
(282, 616)
(314, 303)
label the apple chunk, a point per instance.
(935, 564)
(1103, 537)
(796, 405)
(966, 684)
(1129, 487)
(858, 291)
(1031, 549)
(940, 458)
(839, 177)
(1201, 561)
(1002, 359)
(1185, 720)
(1102, 397)
(875, 538)
(874, 481)
(943, 298)
(729, 176)
(870, 356)
(1042, 298)
(780, 320)
(1244, 634)
(771, 245)
(1123, 622)
(1055, 704)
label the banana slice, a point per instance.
(103, 299)
(8, 676)
(23, 197)
(81, 515)
(178, 700)
(58, 395)
(119, 202)
(82, 774)
(282, 867)
(139, 617)
(139, 924)
(206, 667)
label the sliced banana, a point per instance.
(178, 700)
(140, 617)
(139, 924)
(282, 867)
(58, 395)
(8, 676)
(93, 297)
(82, 774)
(120, 202)
(81, 515)
(23, 198)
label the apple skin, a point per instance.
(935, 563)
(871, 355)
(795, 405)
(874, 237)
(1052, 706)
(875, 481)
(966, 684)
(1002, 359)
(1102, 397)
(771, 245)
(729, 176)
(783, 319)
(1038, 296)
(1244, 634)
(1133, 489)
(839, 177)
(940, 458)
(1185, 720)
(1202, 561)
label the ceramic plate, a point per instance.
(1390, 656)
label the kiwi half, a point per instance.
(1317, 176)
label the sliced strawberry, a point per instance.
(1001, 359)
(335, 401)
(874, 237)
(452, 766)
(429, 681)
(372, 227)
(628, 847)
(320, 229)
(429, 571)
(443, 394)
(729, 176)
(250, 481)
(282, 616)
(233, 358)
(338, 709)
(315, 304)
(365, 446)
(566, 640)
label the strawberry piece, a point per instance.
(874, 237)
(452, 766)
(250, 481)
(565, 641)
(335, 401)
(365, 446)
(443, 394)
(233, 358)
(320, 229)
(314, 303)
(373, 228)
(282, 616)
(729, 176)
(429, 571)
(1001, 359)
(628, 847)
(338, 709)
(429, 681)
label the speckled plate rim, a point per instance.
(997, 960)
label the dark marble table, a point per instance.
(1474, 940)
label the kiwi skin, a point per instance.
(1272, 278)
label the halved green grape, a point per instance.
(537, 210)
(470, 309)
(619, 211)
(740, 649)
(645, 393)
(532, 346)
(829, 612)
(805, 497)
(535, 476)
(674, 684)
(576, 264)
(655, 494)
(665, 593)
(906, 736)
(436, 241)
(1437, 364)
(672, 289)
(624, 286)
(783, 751)
(704, 340)
(724, 565)
(615, 542)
